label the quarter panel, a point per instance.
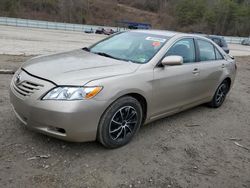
(211, 73)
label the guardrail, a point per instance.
(234, 40)
(77, 27)
(52, 25)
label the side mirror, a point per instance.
(172, 60)
(232, 57)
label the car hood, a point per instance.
(77, 67)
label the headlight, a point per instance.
(72, 93)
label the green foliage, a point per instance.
(190, 12)
(217, 17)
(9, 6)
(225, 17)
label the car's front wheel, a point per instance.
(220, 95)
(120, 122)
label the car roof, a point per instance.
(215, 36)
(157, 32)
(169, 34)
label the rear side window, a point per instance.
(218, 54)
(207, 52)
(184, 48)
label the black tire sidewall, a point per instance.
(103, 129)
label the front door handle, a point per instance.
(223, 65)
(196, 71)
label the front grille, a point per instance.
(27, 88)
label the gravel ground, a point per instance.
(28, 41)
(191, 149)
(239, 50)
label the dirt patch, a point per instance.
(166, 153)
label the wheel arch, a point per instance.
(142, 100)
(139, 97)
(229, 81)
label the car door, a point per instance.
(210, 64)
(176, 86)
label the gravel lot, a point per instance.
(195, 148)
(28, 41)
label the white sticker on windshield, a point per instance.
(155, 39)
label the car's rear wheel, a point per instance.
(220, 95)
(120, 122)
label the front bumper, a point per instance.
(75, 121)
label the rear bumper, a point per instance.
(75, 121)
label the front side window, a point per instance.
(136, 47)
(184, 48)
(206, 50)
(218, 54)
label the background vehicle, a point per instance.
(100, 31)
(246, 42)
(105, 31)
(109, 32)
(89, 31)
(106, 92)
(134, 25)
(220, 41)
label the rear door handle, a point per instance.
(196, 71)
(223, 65)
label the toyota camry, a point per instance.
(107, 91)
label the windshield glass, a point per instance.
(130, 46)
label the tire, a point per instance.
(220, 95)
(120, 122)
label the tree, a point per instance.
(189, 12)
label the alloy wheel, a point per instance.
(221, 94)
(123, 123)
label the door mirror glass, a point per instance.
(172, 60)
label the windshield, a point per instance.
(130, 46)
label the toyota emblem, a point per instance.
(18, 78)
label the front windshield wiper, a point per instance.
(108, 55)
(86, 49)
(104, 54)
(101, 53)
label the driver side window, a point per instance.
(184, 48)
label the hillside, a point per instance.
(107, 13)
(225, 17)
(98, 12)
